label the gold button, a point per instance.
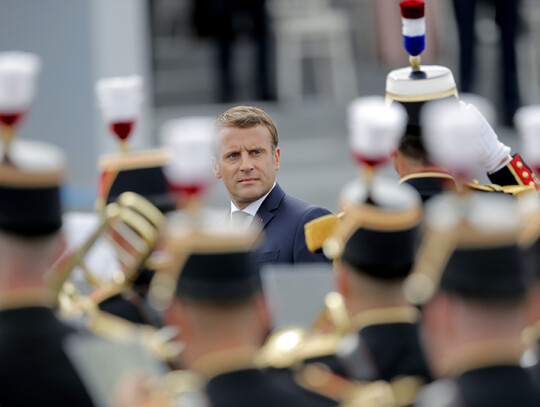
(525, 174)
(519, 164)
(532, 184)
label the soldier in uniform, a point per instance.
(532, 258)
(417, 85)
(140, 172)
(116, 291)
(34, 368)
(379, 245)
(534, 307)
(473, 322)
(223, 319)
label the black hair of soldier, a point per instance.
(411, 144)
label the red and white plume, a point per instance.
(120, 99)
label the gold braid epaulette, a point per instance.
(515, 190)
(319, 229)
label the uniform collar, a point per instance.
(426, 174)
(224, 361)
(386, 315)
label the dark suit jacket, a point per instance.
(282, 218)
(34, 370)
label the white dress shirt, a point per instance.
(251, 209)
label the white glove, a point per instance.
(492, 154)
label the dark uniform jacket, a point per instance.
(429, 184)
(493, 386)
(34, 370)
(381, 351)
(132, 307)
(261, 388)
(535, 369)
(282, 218)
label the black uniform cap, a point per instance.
(486, 273)
(486, 263)
(219, 277)
(30, 200)
(413, 89)
(386, 236)
(139, 172)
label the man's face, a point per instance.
(246, 163)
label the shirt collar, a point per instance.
(253, 207)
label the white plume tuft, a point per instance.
(120, 98)
(190, 141)
(449, 130)
(374, 127)
(18, 71)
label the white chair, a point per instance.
(312, 29)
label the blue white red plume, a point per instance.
(414, 26)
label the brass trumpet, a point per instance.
(291, 346)
(132, 225)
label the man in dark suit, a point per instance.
(247, 160)
(34, 368)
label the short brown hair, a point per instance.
(412, 147)
(245, 117)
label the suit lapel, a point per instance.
(269, 205)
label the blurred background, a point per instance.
(302, 61)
